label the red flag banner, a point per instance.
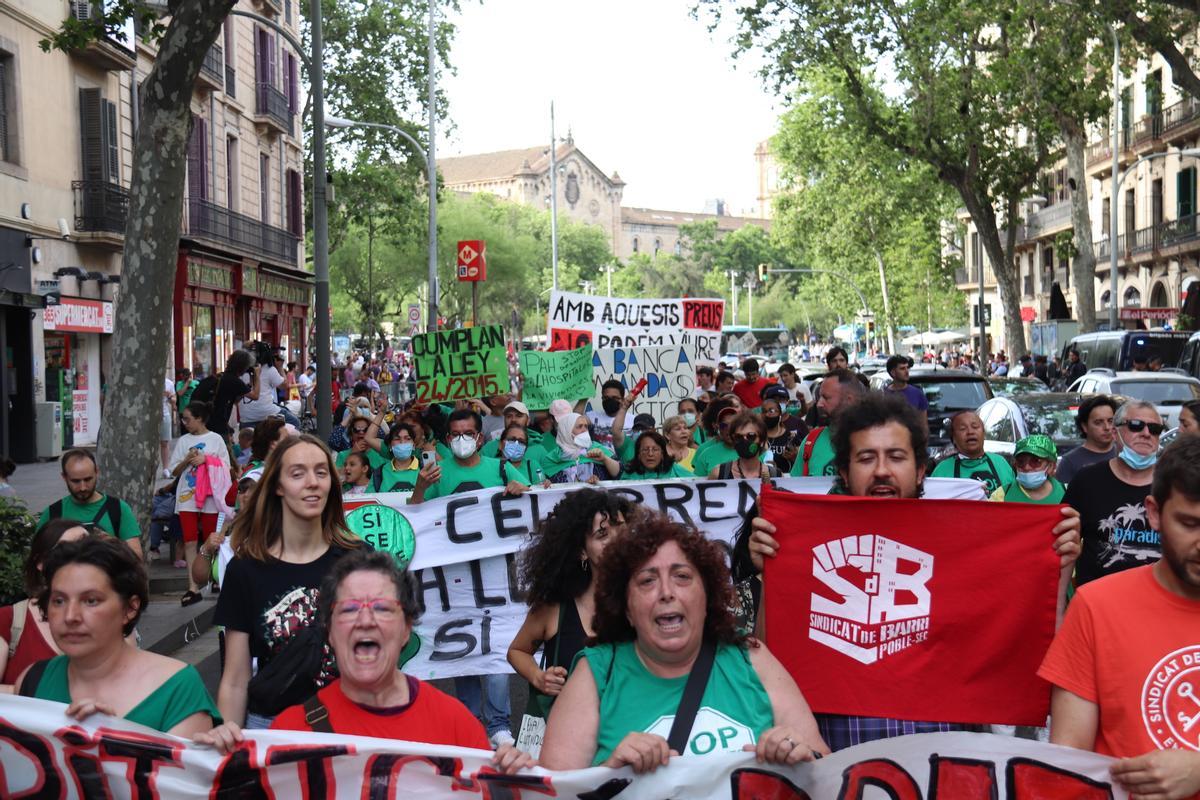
(935, 610)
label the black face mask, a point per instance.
(746, 449)
(771, 418)
(611, 405)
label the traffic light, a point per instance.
(762, 273)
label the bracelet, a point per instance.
(207, 555)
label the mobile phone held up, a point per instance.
(428, 458)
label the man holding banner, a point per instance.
(836, 656)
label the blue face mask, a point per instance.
(1136, 460)
(1031, 480)
(402, 451)
(514, 451)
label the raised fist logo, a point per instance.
(878, 602)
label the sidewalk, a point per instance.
(38, 484)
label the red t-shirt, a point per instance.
(431, 717)
(31, 649)
(750, 393)
(1132, 648)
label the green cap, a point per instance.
(1039, 444)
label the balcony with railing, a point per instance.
(209, 221)
(101, 209)
(273, 5)
(272, 108)
(110, 53)
(212, 70)
(1049, 220)
(961, 276)
(1181, 121)
(1147, 134)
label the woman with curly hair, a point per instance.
(662, 606)
(651, 461)
(557, 577)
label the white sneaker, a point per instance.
(501, 738)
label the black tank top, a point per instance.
(562, 647)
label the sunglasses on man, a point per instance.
(1138, 425)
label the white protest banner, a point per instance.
(669, 372)
(45, 754)
(466, 550)
(608, 322)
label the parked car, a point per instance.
(1167, 389)
(948, 392)
(1007, 420)
(1114, 350)
(1004, 386)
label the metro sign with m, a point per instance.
(472, 260)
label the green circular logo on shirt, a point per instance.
(385, 529)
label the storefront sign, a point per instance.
(275, 287)
(45, 286)
(43, 753)
(79, 413)
(74, 315)
(1148, 313)
(210, 276)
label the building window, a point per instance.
(198, 159)
(231, 172)
(8, 111)
(1105, 217)
(1133, 297)
(678, 247)
(230, 60)
(264, 187)
(287, 11)
(1185, 193)
(98, 137)
(635, 244)
(657, 246)
(202, 341)
(295, 218)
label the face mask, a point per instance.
(771, 418)
(402, 451)
(793, 410)
(583, 440)
(1031, 480)
(1136, 460)
(514, 451)
(746, 449)
(463, 446)
(689, 419)
(611, 405)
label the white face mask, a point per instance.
(463, 446)
(583, 440)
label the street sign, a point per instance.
(414, 319)
(472, 260)
(987, 314)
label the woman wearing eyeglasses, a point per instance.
(748, 436)
(1110, 498)
(514, 449)
(651, 461)
(367, 609)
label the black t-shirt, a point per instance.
(1116, 533)
(780, 444)
(272, 602)
(229, 389)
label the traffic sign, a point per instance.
(472, 260)
(414, 319)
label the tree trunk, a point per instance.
(1007, 276)
(887, 306)
(1083, 262)
(128, 448)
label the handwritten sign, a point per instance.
(613, 322)
(460, 364)
(550, 376)
(670, 374)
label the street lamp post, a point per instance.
(733, 291)
(1116, 182)
(750, 295)
(553, 203)
(1189, 152)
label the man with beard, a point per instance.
(96, 511)
(1124, 663)
(840, 389)
(969, 459)
(877, 454)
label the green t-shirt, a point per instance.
(528, 469)
(711, 455)
(127, 527)
(389, 478)
(991, 470)
(180, 696)
(675, 471)
(820, 461)
(457, 479)
(376, 458)
(183, 393)
(1013, 493)
(734, 709)
(699, 436)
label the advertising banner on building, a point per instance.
(45, 754)
(870, 604)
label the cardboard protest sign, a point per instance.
(913, 609)
(612, 322)
(43, 753)
(549, 376)
(466, 547)
(460, 364)
(670, 374)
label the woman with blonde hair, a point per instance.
(284, 543)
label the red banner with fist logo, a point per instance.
(934, 610)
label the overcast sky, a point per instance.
(645, 89)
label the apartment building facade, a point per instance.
(68, 122)
(1158, 241)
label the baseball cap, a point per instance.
(774, 392)
(518, 406)
(1039, 445)
(643, 422)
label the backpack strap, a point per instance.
(377, 480)
(316, 715)
(18, 625)
(810, 441)
(33, 677)
(55, 510)
(111, 507)
(693, 692)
